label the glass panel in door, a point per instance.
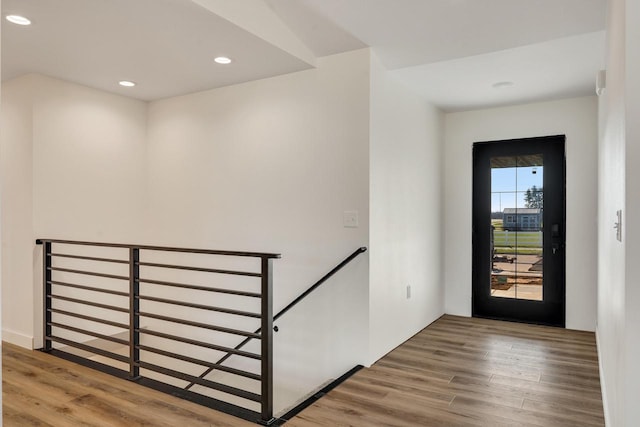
(516, 235)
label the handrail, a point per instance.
(324, 278)
(161, 248)
(289, 306)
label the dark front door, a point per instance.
(519, 230)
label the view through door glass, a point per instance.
(517, 227)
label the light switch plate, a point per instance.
(350, 219)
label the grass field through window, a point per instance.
(520, 242)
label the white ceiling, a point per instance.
(449, 51)
(413, 32)
(166, 46)
(561, 68)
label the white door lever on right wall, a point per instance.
(618, 225)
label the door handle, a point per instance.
(555, 247)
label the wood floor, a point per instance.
(456, 372)
(472, 372)
(42, 390)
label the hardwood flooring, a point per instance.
(42, 390)
(472, 372)
(456, 372)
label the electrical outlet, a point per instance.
(408, 291)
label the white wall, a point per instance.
(405, 224)
(632, 208)
(16, 153)
(619, 270)
(611, 253)
(575, 118)
(89, 163)
(73, 167)
(271, 166)
(1, 228)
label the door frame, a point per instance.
(552, 310)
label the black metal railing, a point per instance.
(139, 318)
(115, 303)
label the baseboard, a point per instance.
(310, 400)
(304, 398)
(603, 388)
(18, 339)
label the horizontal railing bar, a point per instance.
(201, 269)
(91, 318)
(89, 288)
(162, 248)
(90, 349)
(91, 303)
(200, 343)
(200, 362)
(90, 333)
(200, 306)
(88, 273)
(91, 258)
(200, 325)
(200, 288)
(206, 383)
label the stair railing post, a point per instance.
(134, 309)
(266, 333)
(46, 290)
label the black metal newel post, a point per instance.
(46, 287)
(266, 334)
(134, 310)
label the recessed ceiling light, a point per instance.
(126, 83)
(223, 60)
(17, 19)
(500, 85)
